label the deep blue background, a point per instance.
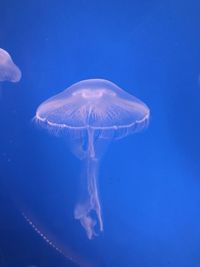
(150, 182)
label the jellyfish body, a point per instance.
(8, 70)
(91, 112)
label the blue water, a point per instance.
(149, 182)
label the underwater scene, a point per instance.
(99, 139)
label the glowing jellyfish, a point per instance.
(92, 112)
(8, 70)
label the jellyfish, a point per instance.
(8, 70)
(66, 252)
(91, 113)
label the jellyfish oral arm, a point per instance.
(93, 191)
(88, 211)
(91, 151)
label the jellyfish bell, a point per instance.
(94, 108)
(92, 112)
(8, 70)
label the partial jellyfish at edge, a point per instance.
(91, 113)
(66, 252)
(8, 70)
